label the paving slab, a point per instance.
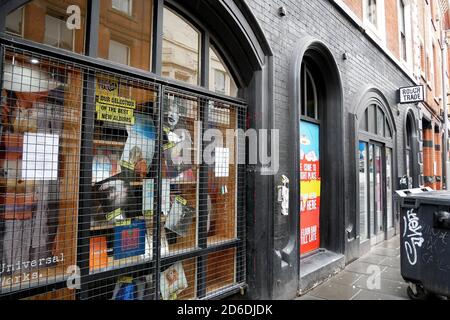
(334, 291)
(392, 274)
(358, 281)
(370, 295)
(386, 286)
(346, 278)
(372, 259)
(386, 252)
(360, 267)
(393, 262)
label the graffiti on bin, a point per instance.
(435, 248)
(412, 236)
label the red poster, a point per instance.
(309, 187)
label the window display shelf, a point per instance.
(108, 225)
(215, 240)
(177, 250)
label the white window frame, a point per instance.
(124, 45)
(22, 9)
(59, 30)
(378, 31)
(408, 27)
(224, 75)
(130, 7)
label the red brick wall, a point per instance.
(392, 31)
(355, 6)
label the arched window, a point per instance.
(310, 102)
(131, 168)
(126, 36)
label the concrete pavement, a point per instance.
(375, 276)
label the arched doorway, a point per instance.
(317, 164)
(375, 163)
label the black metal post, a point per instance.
(203, 204)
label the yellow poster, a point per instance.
(115, 114)
(110, 106)
(107, 86)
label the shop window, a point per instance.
(220, 270)
(220, 80)
(389, 188)
(39, 165)
(310, 174)
(124, 6)
(222, 178)
(179, 281)
(50, 22)
(14, 22)
(119, 52)
(57, 34)
(126, 39)
(364, 191)
(181, 48)
(124, 173)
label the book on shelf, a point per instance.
(98, 257)
(180, 216)
(140, 146)
(173, 282)
(129, 241)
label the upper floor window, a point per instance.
(50, 22)
(374, 18)
(119, 52)
(124, 6)
(126, 40)
(372, 13)
(181, 49)
(57, 34)
(14, 22)
(402, 27)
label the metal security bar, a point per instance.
(116, 187)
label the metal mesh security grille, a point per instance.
(114, 187)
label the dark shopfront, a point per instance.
(93, 182)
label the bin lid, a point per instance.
(433, 197)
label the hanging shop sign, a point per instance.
(412, 94)
(309, 187)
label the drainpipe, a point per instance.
(444, 102)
